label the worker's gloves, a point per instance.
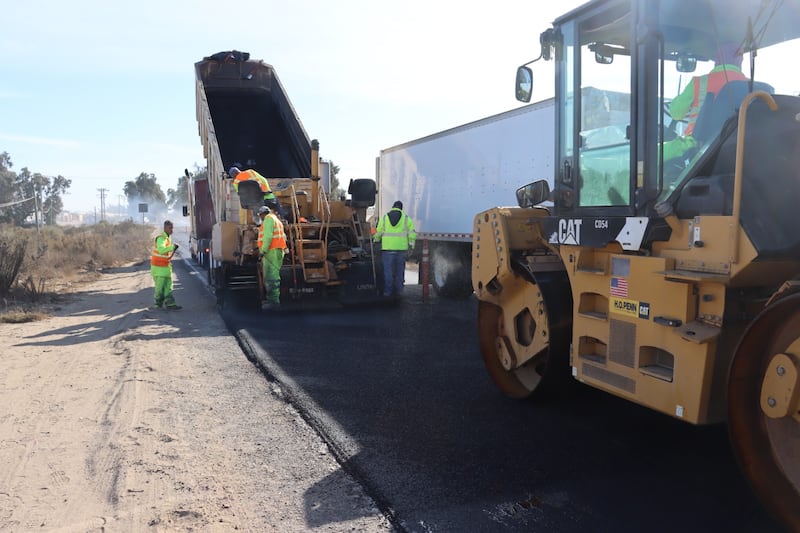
(176, 248)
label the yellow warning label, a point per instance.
(625, 307)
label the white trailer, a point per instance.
(445, 178)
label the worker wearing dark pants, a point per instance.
(396, 234)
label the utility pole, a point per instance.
(37, 191)
(36, 203)
(102, 203)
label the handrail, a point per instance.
(293, 228)
(739, 169)
(325, 209)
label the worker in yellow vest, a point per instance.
(272, 246)
(396, 234)
(161, 267)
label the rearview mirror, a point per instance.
(686, 64)
(533, 194)
(602, 59)
(524, 84)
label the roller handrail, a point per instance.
(739, 169)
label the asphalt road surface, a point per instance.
(401, 395)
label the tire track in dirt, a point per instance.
(125, 419)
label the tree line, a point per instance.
(27, 197)
(25, 194)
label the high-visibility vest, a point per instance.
(246, 175)
(710, 83)
(278, 235)
(400, 236)
(161, 255)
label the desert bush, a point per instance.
(12, 254)
(54, 253)
(21, 316)
(34, 290)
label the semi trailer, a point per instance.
(443, 178)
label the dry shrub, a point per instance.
(12, 255)
(19, 317)
(55, 255)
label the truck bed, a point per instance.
(255, 124)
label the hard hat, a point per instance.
(233, 171)
(263, 210)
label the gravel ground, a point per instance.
(117, 417)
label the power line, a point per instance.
(16, 202)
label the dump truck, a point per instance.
(673, 282)
(245, 119)
(200, 211)
(443, 178)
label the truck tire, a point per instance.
(451, 273)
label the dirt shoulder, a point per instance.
(116, 417)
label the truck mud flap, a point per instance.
(358, 284)
(355, 285)
(294, 288)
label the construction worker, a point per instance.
(687, 105)
(396, 234)
(161, 267)
(272, 247)
(245, 175)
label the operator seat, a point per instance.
(250, 195)
(716, 110)
(362, 192)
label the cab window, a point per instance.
(604, 144)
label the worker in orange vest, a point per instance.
(272, 247)
(161, 267)
(245, 175)
(687, 105)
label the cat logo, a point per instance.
(569, 231)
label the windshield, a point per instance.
(707, 64)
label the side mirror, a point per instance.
(533, 194)
(524, 84)
(686, 64)
(186, 211)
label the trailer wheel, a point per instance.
(451, 271)
(764, 408)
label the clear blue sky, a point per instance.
(101, 91)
